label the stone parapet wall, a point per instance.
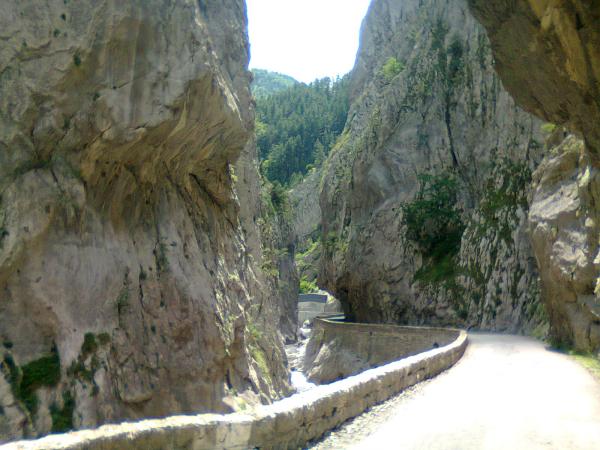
(339, 349)
(289, 423)
(309, 310)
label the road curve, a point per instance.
(506, 393)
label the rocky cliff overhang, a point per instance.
(548, 55)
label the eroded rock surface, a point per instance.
(564, 233)
(306, 219)
(426, 100)
(548, 55)
(278, 240)
(130, 258)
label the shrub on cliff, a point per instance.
(391, 68)
(432, 220)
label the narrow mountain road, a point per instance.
(507, 392)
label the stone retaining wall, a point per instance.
(289, 423)
(316, 305)
(339, 349)
(309, 310)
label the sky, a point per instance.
(306, 39)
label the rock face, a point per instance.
(130, 258)
(278, 247)
(564, 234)
(307, 224)
(553, 70)
(427, 104)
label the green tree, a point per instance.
(296, 127)
(433, 220)
(266, 83)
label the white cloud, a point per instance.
(306, 39)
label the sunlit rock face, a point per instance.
(564, 232)
(548, 56)
(130, 276)
(441, 111)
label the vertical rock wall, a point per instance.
(548, 55)
(130, 274)
(426, 101)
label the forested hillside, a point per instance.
(295, 128)
(266, 83)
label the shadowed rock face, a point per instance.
(548, 56)
(129, 274)
(443, 110)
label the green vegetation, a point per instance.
(268, 266)
(275, 212)
(391, 68)
(455, 52)
(332, 243)
(77, 60)
(14, 374)
(548, 128)
(433, 220)
(254, 332)
(589, 361)
(89, 344)
(103, 338)
(307, 287)
(500, 201)
(279, 198)
(437, 271)
(267, 83)
(30, 165)
(309, 249)
(255, 336)
(24, 381)
(275, 200)
(79, 368)
(449, 69)
(3, 234)
(160, 254)
(296, 128)
(122, 302)
(62, 418)
(44, 371)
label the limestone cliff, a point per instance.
(279, 248)
(429, 110)
(548, 55)
(130, 258)
(552, 67)
(306, 218)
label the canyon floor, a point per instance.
(507, 392)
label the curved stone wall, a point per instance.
(289, 423)
(339, 349)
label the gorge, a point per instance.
(156, 226)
